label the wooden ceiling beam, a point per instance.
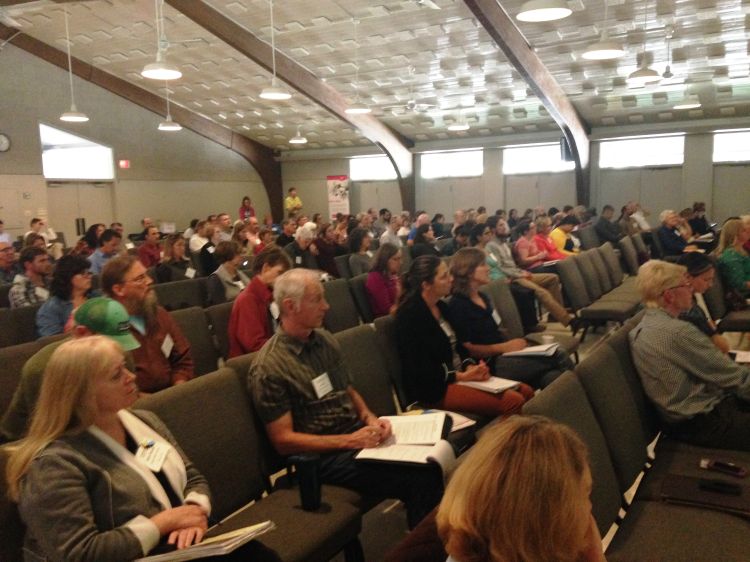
(511, 41)
(393, 144)
(261, 157)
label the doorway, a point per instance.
(69, 201)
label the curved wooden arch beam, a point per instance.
(393, 144)
(259, 156)
(503, 30)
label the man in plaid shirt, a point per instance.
(31, 286)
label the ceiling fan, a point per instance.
(411, 106)
(427, 4)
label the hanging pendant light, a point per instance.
(298, 138)
(357, 108)
(459, 125)
(73, 115)
(604, 49)
(168, 124)
(543, 10)
(160, 69)
(274, 92)
(690, 101)
(644, 75)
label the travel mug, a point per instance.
(308, 477)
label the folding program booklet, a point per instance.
(415, 440)
(493, 385)
(214, 546)
(543, 350)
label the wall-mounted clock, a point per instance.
(4, 143)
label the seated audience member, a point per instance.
(669, 235)
(4, 236)
(227, 281)
(198, 239)
(561, 236)
(390, 235)
(98, 315)
(53, 247)
(477, 327)
(109, 245)
(546, 286)
(163, 358)
(699, 223)
(438, 222)
(360, 256)
(422, 219)
(522, 494)
(460, 240)
(174, 265)
(32, 286)
(247, 235)
(265, 239)
(301, 250)
(423, 243)
(628, 225)
(206, 255)
(328, 249)
(70, 288)
(287, 234)
(383, 283)
(106, 504)
(34, 240)
(734, 263)
(700, 274)
(700, 394)
(334, 420)
(190, 230)
(150, 251)
(146, 223)
(683, 227)
(251, 323)
(481, 234)
(8, 265)
(381, 223)
(426, 343)
(530, 255)
(224, 227)
(92, 236)
(606, 228)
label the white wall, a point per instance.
(173, 176)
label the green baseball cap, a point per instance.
(109, 318)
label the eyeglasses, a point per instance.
(142, 278)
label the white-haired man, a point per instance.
(303, 393)
(302, 250)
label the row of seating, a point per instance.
(596, 287)
(604, 402)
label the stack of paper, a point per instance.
(493, 385)
(543, 350)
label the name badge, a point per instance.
(129, 245)
(167, 345)
(496, 317)
(211, 249)
(239, 284)
(322, 385)
(369, 253)
(298, 260)
(152, 454)
(274, 308)
(189, 273)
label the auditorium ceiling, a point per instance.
(420, 69)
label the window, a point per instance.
(642, 151)
(732, 146)
(534, 159)
(70, 157)
(371, 168)
(463, 164)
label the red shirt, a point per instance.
(149, 254)
(381, 292)
(250, 322)
(546, 243)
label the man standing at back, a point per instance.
(163, 358)
(302, 392)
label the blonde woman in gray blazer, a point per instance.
(94, 480)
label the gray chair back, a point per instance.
(223, 441)
(385, 332)
(194, 326)
(589, 238)
(359, 293)
(640, 245)
(4, 299)
(614, 269)
(502, 299)
(343, 312)
(342, 265)
(590, 276)
(573, 284)
(565, 402)
(181, 294)
(656, 246)
(218, 322)
(12, 528)
(714, 297)
(13, 358)
(18, 325)
(367, 367)
(629, 254)
(605, 281)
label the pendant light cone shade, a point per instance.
(275, 92)
(604, 50)
(357, 108)
(161, 69)
(169, 125)
(543, 10)
(73, 115)
(298, 138)
(643, 77)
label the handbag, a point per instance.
(734, 300)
